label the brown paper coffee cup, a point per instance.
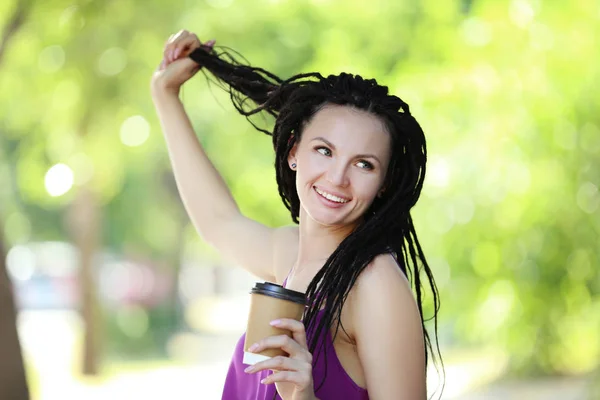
(269, 301)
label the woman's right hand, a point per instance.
(176, 67)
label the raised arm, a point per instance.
(206, 197)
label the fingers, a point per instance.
(182, 40)
(280, 363)
(284, 369)
(301, 379)
(176, 52)
(169, 46)
(181, 44)
(209, 45)
(287, 344)
(295, 326)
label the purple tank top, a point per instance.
(336, 385)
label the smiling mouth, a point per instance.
(331, 197)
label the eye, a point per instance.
(323, 150)
(365, 165)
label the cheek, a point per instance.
(367, 186)
(312, 165)
(306, 175)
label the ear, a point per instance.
(292, 156)
(381, 192)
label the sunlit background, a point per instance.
(117, 296)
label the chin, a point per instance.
(331, 222)
(323, 218)
(331, 219)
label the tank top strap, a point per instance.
(286, 278)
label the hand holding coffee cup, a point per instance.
(269, 302)
(279, 343)
(292, 374)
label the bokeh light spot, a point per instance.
(51, 59)
(133, 321)
(135, 131)
(588, 198)
(438, 173)
(20, 263)
(590, 138)
(112, 61)
(58, 180)
(476, 32)
(521, 12)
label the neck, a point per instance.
(317, 242)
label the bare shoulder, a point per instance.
(382, 289)
(285, 250)
(383, 279)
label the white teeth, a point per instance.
(331, 197)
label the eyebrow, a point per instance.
(328, 143)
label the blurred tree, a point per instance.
(13, 382)
(84, 220)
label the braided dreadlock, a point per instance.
(387, 226)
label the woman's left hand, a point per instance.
(292, 375)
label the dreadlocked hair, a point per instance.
(387, 226)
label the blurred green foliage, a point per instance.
(507, 92)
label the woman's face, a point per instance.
(341, 163)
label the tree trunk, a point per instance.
(13, 383)
(84, 223)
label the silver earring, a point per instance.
(293, 165)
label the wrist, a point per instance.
(160, 91)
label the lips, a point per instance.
(332, 197)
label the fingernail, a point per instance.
(249, 369)
(253, 347)
(177, 52)
(210, 42)
(275, 322)
(263, 381)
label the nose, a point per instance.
(337, 174)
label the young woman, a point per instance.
(350, 163)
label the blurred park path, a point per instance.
(567, 389)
